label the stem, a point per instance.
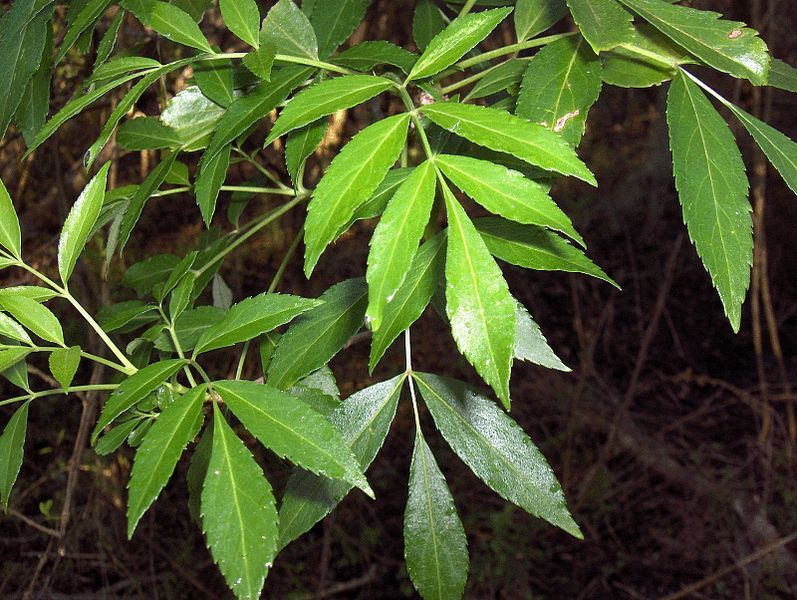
(511, 49)
(268, 218)
(468, 80)
(268, 174)
(312, 63)
(410, 105)
(258, 190)
(467, 8)
(177, 346)
(55, 392)
(657, 58)
(283, 265)
(92, 357)
(408, 371)
(242, 360)
(202, 373)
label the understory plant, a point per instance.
(456, 168)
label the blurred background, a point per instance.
(674, 439)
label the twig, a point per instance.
(34, 524)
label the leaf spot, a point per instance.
(735, 34)
(562, 121)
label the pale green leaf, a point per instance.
(605, 24)
(292, 430)
(423, 276)
(395, 240)
(349, 181)
(252, 317)
(11, 329)
(334, 21)
(12, 446)
(560, 85)
(64, 363)
(530, 343)
(34, 317)
(157, 456)
(712, 186)
(289, 31)
(11, 355)
(80, 222)
(239, 516)
(535, 248)
(535, 16)
(435, 546)
(496, 449)
(34, 292)
(177, 25)
(134, 389)
(503, 132)
(10, 235)
(363, 420)
(506, 192)
(326, 98)
(242, 17)
(728, 46)
(194, 117)
(451, 44)
(319, 334)
(478, 303)
(209, 181)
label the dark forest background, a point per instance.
(675, 440)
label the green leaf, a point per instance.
(143, 275)
(242, 17)
(12, 446)
(23, 35)
(215, 80)
(118, 315)
(11, 329)
(728, 46)
(363, 420)
(64, 363)
(502, 132)
(246, 110)
(194, 117)
(251, 318)
(108, 41)
(111, 441)
(530, 343)
(34, 292)
(334, 21)
(367, 55)
(478, 303)
(496, 449)
(35, 104)
(175, 24)
(300, 144)
(134, 389)
(427, 22)
(506, 192)
(326, 98)
(123, 65)
(158, 454)
(180, 297)
(261, 61)
(783, 76)
(560, 85)
(9, 356)
(535, 16)
(34, 317)
(80, 222)
(395, 240)
(239, 516)
(292, 430)
(319, 334)
(190, 326)
(289, 31)
(87, 17)
(451, 44)
(424, 273)
(605, 24)
(499, 79)
(535, 248)
(209, 181)
(146, 133)
(712, 186)
(10, 235)
(143, 193)
(435, 546)
(197, 471)
(349, 181)
(195, 8)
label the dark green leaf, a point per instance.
(209, 181)
(190, 326)
(712, 186)
(261, 61)
(87, 17)
(503, 132)
(10, 235)
(214, 78)
(435, 546)
(363, 420)
(239, 516)
(478, 303)
(496, 449)
(300, 144)
(427, 22)
(178, 26)
(451, 44)
(108, 41)
(146, 133)
(289, 31)
(242, 17)
(64, 363)
(35, 104)
(143, 275)
(530, 343)
(11, 355)
(535, 16)
(12, 446)
(367, 55)
(251, 318)
(334, 21)
(605, 24)
(118, 315)
(292, 430)
(783, 76)
(319, 334)
(158, 454)
(111, 441)
(499, 79)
